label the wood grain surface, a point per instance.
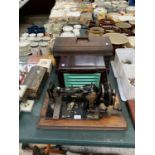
(109, 122)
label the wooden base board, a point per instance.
(109, 122)
(131, 108)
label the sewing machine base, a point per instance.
(108, 122)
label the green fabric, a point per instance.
(29, 133)
(79, 80)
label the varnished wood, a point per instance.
(131, 107)
(65, 46)
(81, 65)
(108, 122)
(35, 81)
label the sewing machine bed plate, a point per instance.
(108, 122)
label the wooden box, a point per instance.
(82, 65)
(35, 81)
(65, 46)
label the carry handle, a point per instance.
(82, 38)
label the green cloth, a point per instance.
(29, 133)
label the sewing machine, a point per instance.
(84, 99)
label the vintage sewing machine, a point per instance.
(85, 103)
(84, 99)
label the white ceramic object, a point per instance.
(24, 48)
(40, 34)
(25, 35)
(67, 28)
(123, 25)
(131, 41)
(67, 34)
(77, 26)
(100, 11)
(32, 35)
(43, 44)
(31, 39)
(117, 38)
(116, 3)
(76, 32)
(35, 49)
(126, 18)
(34, 44)
(48, 40)
(44, 48)
(38, 39)
(114, 16)
(73, 14)
(132, 22)
(23, 38)
(130, 9)
(99, 2)
(122, 6)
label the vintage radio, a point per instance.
(35, 81)
(65, 46)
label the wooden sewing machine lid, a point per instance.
(78, 61)
(65, 46)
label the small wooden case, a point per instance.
(35, 81)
